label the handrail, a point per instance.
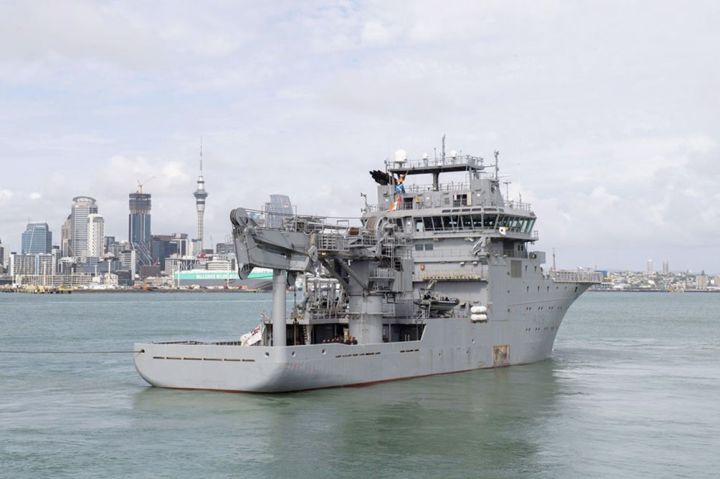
(454, 160)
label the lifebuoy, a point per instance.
(422, 267)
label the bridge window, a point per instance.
(490, 221)
(458, 222)
(460, 200)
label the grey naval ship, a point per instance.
(435, 278)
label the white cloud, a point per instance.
(5, 195)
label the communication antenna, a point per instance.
(507, 189)
(497, 168)
(553, 259)
(443, 147)
(201, 142)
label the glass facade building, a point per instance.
(139, 229)
(82, 207)
(37, 239)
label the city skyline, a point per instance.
(612, 137)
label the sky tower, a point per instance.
(200, 195)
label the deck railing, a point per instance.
(449, 160)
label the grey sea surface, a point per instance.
(632, 390)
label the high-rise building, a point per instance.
(139, 232)
(2, 257)
(666, 267)
(37, 238)
(200, 196)
(162, 247)
(95, 235)
(277, 210)
(66, 237)
(81, 208)
(649, 267)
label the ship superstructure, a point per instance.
(433, 279)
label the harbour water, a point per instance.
(632, 390)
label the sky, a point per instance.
(606, 113)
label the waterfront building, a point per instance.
(96, 235)
(649, 267)
(69, 280)
(701, 281)
(82, 207)
(218, 265)
(666, 267)
(200, 195)
(37, 238)
(139, 226)
(32, 264)
(21, 264)
(2, 257)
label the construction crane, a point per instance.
(141, 184)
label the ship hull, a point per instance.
(447, 345)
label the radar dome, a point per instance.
(400, 156)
